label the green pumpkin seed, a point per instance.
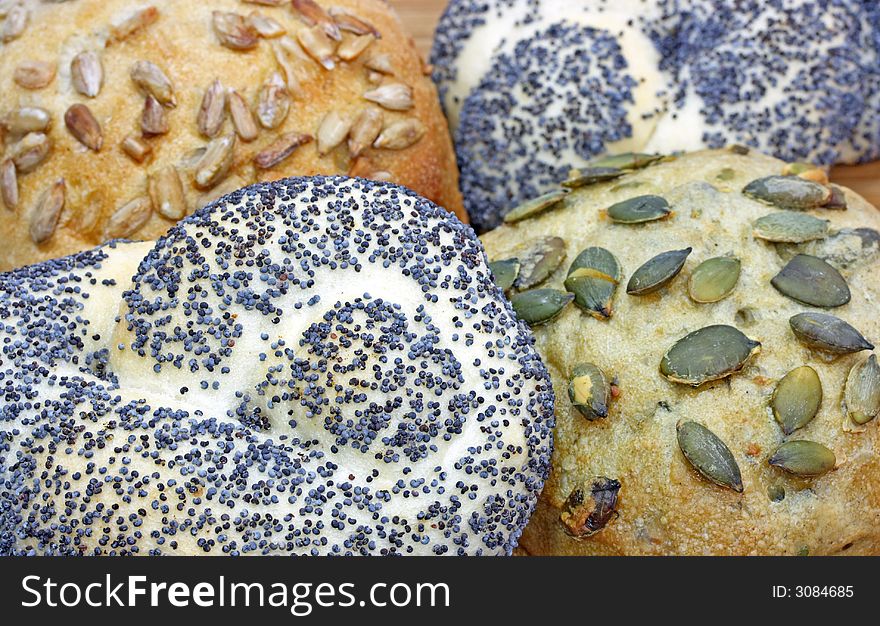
(639, 210)
(788, 192)
(714, 279)
(632, 184)
(535, 206)
(589, 507)
(591, 176)
(505, 272)
(657, 272)
(593, 278)
(627, 161)
(828, 333)
(790, 227)
(709, 455)
(540, 305)
(803, 458)
(776, 493)
(739, 149)
(811, 280)
(862, 393)
(726, 174)
(707, 354)
(538, 259)
(589, 391)
(797, 398)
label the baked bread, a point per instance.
(638, 448)
(311, 366)
(115, 93)
(533, 87)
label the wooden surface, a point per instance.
(420, 17)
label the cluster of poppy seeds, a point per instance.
(798, 79)
(311, 366)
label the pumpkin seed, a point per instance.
(657, 272)
(627, 161)
(811, 280)
(714, 279)
(84, 127)
(847, 248)
(505, 272)
(153, 81)
(87, 73)
(589, 391)
(708, 354)
(709, 455)
(591, 176)
(593, 278)
(45, 216)
(9, 192)
(828, 333)
(797, 398)
(803, 458)
(788, 192)
(590, 507)
(538, 306)
(632, 184)
(790, 227)
(639, 210)
(535, 206)
(538, 259)
(837, 201)
(862, 392)
(726, 174)
(212, 111)
(739, 149)
(776, 493)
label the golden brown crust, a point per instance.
(182, 43)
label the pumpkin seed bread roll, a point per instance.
(118, 118)
(709, 323)
(533, 87)
(310, 366)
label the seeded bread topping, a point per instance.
(716, 382)
(533, 87)
(148, 110)
(313, 366)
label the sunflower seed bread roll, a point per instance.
(709, 323)
(309, 366)
(137, 113)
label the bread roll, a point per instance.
(120, 100)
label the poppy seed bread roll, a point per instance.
(311, 366)
(134, 114)
(711, 348)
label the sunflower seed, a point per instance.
(267, 3)
(136, 21)
(790, 227)
(154, 119)
(84, 127)
(136, 148)
(639, 210)
(87, 73)
(540, 305)
(657, 272)
(590, 507)
(788, 192)
(9, 185)
(273, 102)
(28, 153)
(15, 23)
(709, 455)
(392, 96)
(265, 26)
(365, 130)
(862, 393)
(128, 218)
(591, 176)
(535, 206)
(19, 122)
(153, 81)
(34, 74)
(593, 278)
(353, 24)
(280, 51)
(803, 458)
(627, 161)
(313, 15)
(812, 281)
(212, 112)
(538, 258)
(400, 134)
(708, 354)
(589, 391)
(505, 272)
(214, 164)
(45, 216)
(318, 46)
(333, 130)
(280, 149)
(379, 62)
(233, 31)
(797, 398)
(714, 279)
(166, 193)
(242, 118)
(352, 47)
(828, 333)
